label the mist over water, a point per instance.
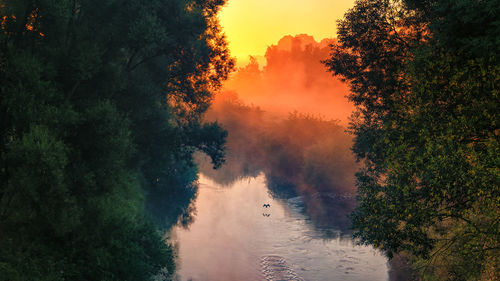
(234, 237)
(278, 207)
(293, 79)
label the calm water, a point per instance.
(234, 238)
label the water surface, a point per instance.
(233, 237)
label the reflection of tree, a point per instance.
(301, 155)
(172, 206)
(300, 148)
(280, 189)
(329, 211)
(234, 169)
(326, 210)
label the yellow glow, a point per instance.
(252, 25)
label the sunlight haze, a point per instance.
(252, 25)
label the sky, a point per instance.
(285, 80)
(252, 25)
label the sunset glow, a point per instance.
(288, 80)
(252, 25)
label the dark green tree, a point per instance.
(100, 107)
(424, 75)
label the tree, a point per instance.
(100, 107)
(426, 128)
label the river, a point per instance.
(235, 237)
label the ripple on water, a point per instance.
(275, 268)
(231, 240)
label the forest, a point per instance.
(107, 107)
(424, 76)
(100, 107)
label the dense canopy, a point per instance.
(425, 77)
(100, 105)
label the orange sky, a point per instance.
(252, 25)
(292, 79)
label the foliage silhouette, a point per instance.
(100, 105)
(424, 76)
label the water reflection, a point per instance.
(172, 205)
(242, 232)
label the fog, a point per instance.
(287, 120)
(299, 154)
(293, 78)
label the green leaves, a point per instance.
(37, 164)
(88, 131)
(425, 81)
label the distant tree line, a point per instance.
(100, 105)
(299, 155)
(425, 77)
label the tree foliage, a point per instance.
(425, 76)
(100, 105)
